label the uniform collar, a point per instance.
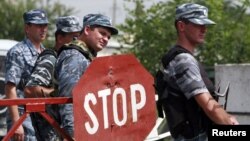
(32, 47)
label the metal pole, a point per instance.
(114, 12)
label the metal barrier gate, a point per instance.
(36, 105)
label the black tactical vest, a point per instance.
(184, 116)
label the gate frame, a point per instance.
(36, 105)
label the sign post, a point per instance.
(114, 101)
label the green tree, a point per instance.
(11, 14)
(151, 32)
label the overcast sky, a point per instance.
(101, 6)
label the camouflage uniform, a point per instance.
(20, 61)
(184, 76)
(70, 66)
(43, 72)
(43, 75)
(178, 66)
(196, 14)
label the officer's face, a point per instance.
(36, 32)
(97, 37)
(69, 37)
(198, 33)
(66, 38)
(193, 33)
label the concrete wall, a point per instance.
(238, 75)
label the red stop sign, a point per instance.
(114, 101)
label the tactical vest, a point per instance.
(185, 117)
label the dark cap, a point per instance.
(68, 24)
(36, 16)
(194, 13)
(101, 20)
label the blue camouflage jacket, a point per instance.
(70, 66)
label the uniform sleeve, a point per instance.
(43, 72)
(187, 75)
(14, 66)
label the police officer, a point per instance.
(41, 82)
(19, 63)
(72, 63)
(190, 105)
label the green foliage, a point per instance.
(11, 13)
(151, 32)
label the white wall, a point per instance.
(238, 102)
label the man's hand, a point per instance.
(19, 134)
(233, 120)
